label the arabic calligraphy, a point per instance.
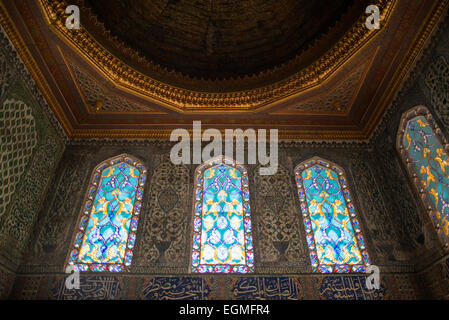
(349, 288)
(270, 288)
(91, 288)
(176, 288)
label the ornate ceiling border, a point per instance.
(305, 135)
(164, 134)
(180, 99)
(270, 75)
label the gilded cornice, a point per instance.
(183, 100)
(235, 83)
(164, 134)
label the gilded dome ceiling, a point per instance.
(138, 69)
(226, 39)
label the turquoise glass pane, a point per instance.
(431, 164)
(222, 233)
(107, 230)
(334, 236)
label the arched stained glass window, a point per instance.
(222, 239)
(107, 229)
(333, 233)
(425, 151)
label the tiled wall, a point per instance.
(399, 236)
(30, 149)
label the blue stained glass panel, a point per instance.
(334, 235)
(431, 164)
(222, 240)
(222, 237)
(108, 227)
(332, 230)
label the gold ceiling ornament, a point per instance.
(177, 78)
(98, 105)
(337, 105)
(184, 100)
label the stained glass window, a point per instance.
(333, 232)
(425, 152)
(107, 228)
(222, 239)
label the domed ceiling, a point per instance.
(141, 68)
(223, 39)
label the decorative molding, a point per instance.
(339, 136)
(187, 100)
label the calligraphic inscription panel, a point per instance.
(91, 288)
(175, 288)
(266, 288)
(349, 288)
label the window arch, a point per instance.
(106, 233)
(222, 238)
(425, 152)
(333, 232)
